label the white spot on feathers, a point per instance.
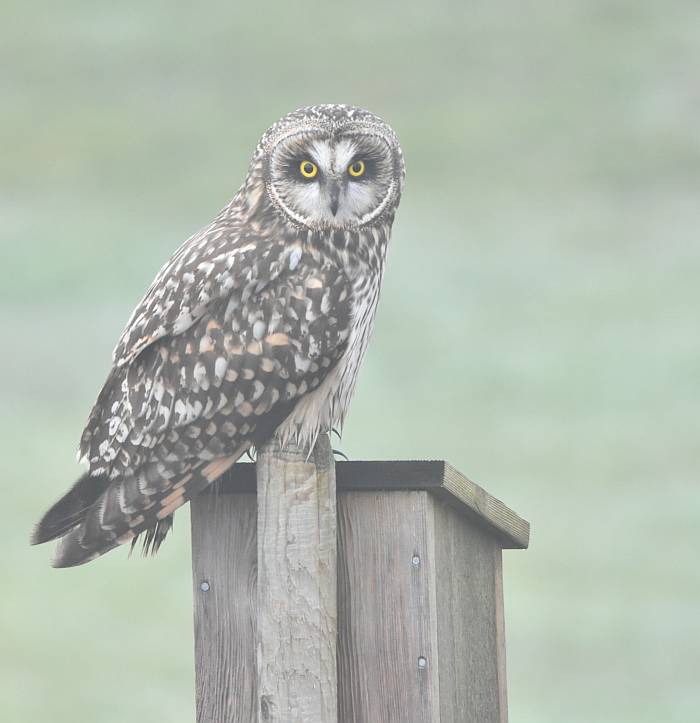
(259, 329)
(294, 258)
(180, 411)
(200, 373)
(220, 367)
(258, 389)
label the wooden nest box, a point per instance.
(402, 621)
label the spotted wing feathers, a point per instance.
(189, 404)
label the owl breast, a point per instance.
(325, 408)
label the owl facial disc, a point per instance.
(332, 171)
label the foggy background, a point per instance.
(538, 326)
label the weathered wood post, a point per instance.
(421, 632)
(297, 584)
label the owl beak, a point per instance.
(334, 197)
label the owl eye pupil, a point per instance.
(356, 169)
(308, 169)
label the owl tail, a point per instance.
(133, 506)
(70, 510)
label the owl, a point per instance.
(255, 327)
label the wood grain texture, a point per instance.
(510, 529)
(224, 551)
(387, 608)
(438, 476)
(297, 575)
(500, 635)
(419, 576)
(471, 669)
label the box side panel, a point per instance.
(500, 635)
(470, 632)
(224, 555)
(387, 647)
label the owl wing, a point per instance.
(231, 377)
(225, 256)
(178, 415)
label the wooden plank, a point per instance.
(297, 574)
(467, 496)
(441, 478)
(446, 609)
(500, 635)
(387, 656)
(224, 551)
(471, 668)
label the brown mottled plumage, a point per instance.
(256, 326)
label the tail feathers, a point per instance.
(70, 510)
(153, 536)
(74, 548)
(131, 506)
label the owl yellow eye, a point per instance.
(356, 169)
(308, 169)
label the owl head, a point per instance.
(332, 167)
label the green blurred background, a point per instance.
(538, 327)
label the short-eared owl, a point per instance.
(255, 327)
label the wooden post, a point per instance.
(421, 634)
(297, 563)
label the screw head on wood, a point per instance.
(422, 663)
(204, 586)
(415, 561)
